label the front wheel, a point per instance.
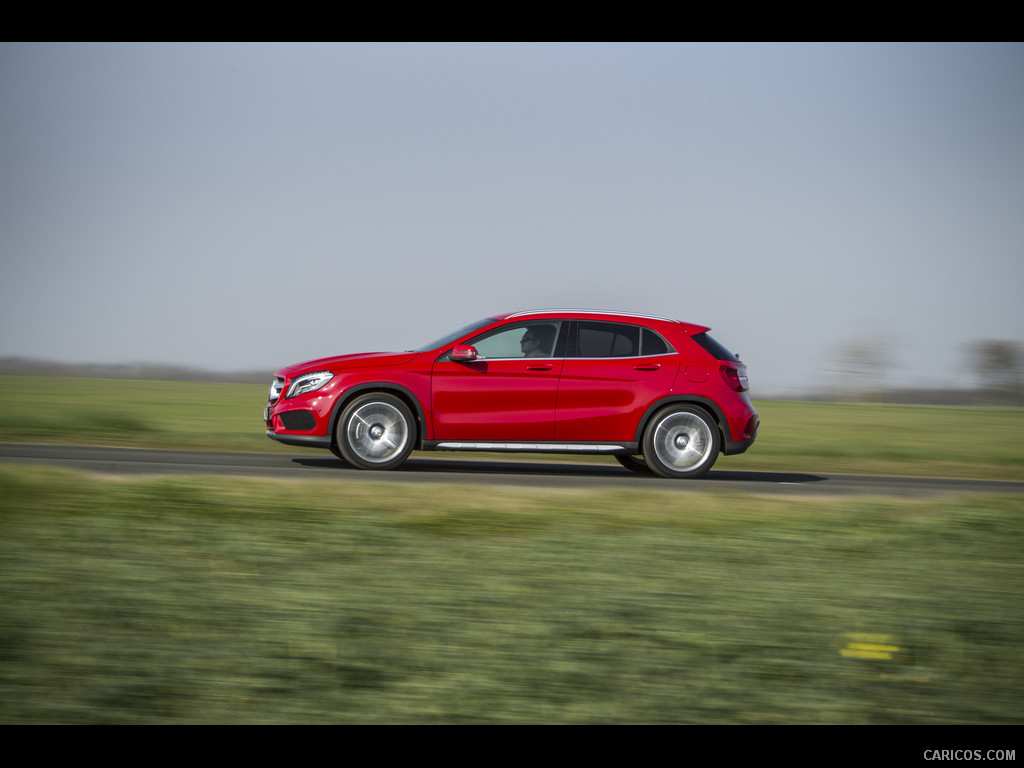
(681, 441)
(376, 431)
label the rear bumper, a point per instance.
(732, 447)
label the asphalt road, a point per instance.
(454, 468)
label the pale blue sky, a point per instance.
(240, 207)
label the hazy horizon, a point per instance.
(237, 207)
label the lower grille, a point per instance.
(298, 420)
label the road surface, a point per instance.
(454, 468)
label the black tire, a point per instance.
(681, 441)
(634, 463)
(375, 431)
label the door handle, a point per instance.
(540, 367)
(647, 367)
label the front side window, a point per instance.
(535, 339)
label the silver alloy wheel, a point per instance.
(376, 432)
(681, 442)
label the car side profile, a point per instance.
(659, 395)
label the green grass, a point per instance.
(213, 600)
(795, 437)
(137, 414)
(926, 441)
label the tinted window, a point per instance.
(607, 340)
(713, 347)
(654, 344)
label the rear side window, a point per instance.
(608, 340)
(713, 347)
(601, 339)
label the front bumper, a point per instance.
(309, 441)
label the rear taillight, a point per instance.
(735, 377)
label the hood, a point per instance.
(343, 362)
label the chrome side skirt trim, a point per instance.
(462, 445)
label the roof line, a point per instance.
(591, 312)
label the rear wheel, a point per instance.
(634, 463)
(682, 441)
(376, 431)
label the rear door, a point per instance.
(612, 373)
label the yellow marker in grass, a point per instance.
(867, 645)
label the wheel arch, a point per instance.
(399, 391)
(703, 403)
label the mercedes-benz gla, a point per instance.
(659, 395)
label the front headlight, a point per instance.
(308, 382)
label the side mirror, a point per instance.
(463, 353)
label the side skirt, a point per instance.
(524, 447)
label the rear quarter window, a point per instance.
(653, 344)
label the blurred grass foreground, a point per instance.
(214, 600)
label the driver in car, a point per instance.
(537, 341)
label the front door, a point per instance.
(507, 394)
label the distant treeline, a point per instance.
(920, 396)
(20, 366)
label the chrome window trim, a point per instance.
(622, 357)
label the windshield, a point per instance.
(454, 335)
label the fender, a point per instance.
(729, 446)
(380, 386)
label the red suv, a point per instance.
(660, 395)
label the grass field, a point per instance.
(218, 600)
(229, 601)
